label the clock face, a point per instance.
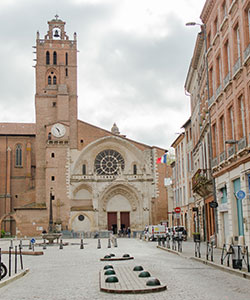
(58, 130)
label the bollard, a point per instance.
(21, 244)
(115, 243)
(33, 247)
(44, 244)
(30, 246)
(61, 244)
(11, 244)
(81, 244)
(163, 242)
(9, 261)
(15, 259)
(109, 243)
(21, 258)
(0, 263)
(159, 241)
(99, 244)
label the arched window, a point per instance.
(83, 169)
(54, 58)
(19, 161)
(49, 80)
(54, 79)
(47, 58)
(66, 59)
(134, 169)
(66, 72)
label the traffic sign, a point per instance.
(241, 194)
(32, 241)
(177, 210)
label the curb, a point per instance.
(210, 263)
(13, 278)
(223, 268)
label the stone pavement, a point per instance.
(188, 251)
(73, 273)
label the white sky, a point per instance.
(132, 62)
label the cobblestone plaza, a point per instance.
(73, 273)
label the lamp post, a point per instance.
(50, 210)
(203, 27)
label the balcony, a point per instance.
(218, 91)
(202, 182)
(227, 80)
(231, 151)
(222, 156)
(211, 101)
(242, 143)
(237, 67)
(247, 54)
(214, 162)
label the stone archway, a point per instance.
(120, 208)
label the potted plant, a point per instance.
(196, 236)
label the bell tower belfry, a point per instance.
(56, 111)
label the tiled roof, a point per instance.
(18, 128)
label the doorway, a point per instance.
(112, 222)
(125, 221)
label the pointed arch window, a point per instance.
(66, 59)
(19, 156)
(54, 58)
(54, 79)
(134, 169)
(49, 80)
(47, 58)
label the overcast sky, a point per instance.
(132, 62)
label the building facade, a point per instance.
(93, 179)
(219, 85)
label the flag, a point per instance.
(162, 160)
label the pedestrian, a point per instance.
(128, 232)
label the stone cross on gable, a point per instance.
(56, 16)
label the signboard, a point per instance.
(177, 210)
(213, 204)
(241, 194)
(32, 241)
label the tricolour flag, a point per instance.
(162, 160)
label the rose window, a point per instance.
(109, 162)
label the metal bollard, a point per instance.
(11, 244)
(61, 244)
(115, 243)
(33, 247)
(109, 243)
(0, 263)
(30, 246)
(99, 244)
(15, 259)
(21, 258)
(44, 244)
(9, 261)
(81, 244)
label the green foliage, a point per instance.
(2, 233)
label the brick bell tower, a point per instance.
(56, 116)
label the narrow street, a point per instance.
(73, 273)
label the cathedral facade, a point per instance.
(85, 178)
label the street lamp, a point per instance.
(51, 198)
(204, 30)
